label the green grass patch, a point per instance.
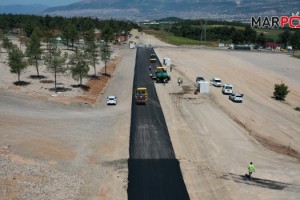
(269, 33)
(181, 40)
(172, 39)
(216, 25)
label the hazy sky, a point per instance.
(44, 2)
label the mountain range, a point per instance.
(155, 9)
(23, 9)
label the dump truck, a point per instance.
(161, 75)
(141, 95)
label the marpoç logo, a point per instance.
(275, 21)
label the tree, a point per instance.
(1, 38)
(6, 43)
(280, 91)
(89, 36)
(295, 41)
(105, 54)
(70, 33)
(16, 62)
(22, 37)
(91, 48)
(34, 51)
(261, 39)
(55, 62)
(79, 66)
(48, 34)
(238, 37)
(107, 33)
(93, 54)
(284, 37)
(249, 34)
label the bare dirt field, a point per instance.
(74, 151)
(215, 139)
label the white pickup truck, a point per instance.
(236, 97)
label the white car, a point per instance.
(111, 100)
(227, 89)
(236, 97)
(216, 81)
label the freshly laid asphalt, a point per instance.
(154, 172)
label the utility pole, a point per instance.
(203, 30)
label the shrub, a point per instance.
(280, 91)
(297, 108)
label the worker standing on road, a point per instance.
(179, 80)
(150, 68)
(251, 170)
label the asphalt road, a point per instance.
(154, 172)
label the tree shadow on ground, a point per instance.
(37, 77)
(46, 81)
(60, 89)
(93, 77)
(83, 87)
(21, 83)
(103, 74)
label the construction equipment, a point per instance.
(161, 75)
(152, 58)
(141, 95)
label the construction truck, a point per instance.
(161, 75)
(141, 95)
(152, 58)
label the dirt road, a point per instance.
(55, 151)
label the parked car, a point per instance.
(200, 79)
(236, 97)
(216, 81)
(111, 100)
(227, 89)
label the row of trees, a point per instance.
(232, 32)
(32, 30)
(46, 24)
(77, 64)
(223, 33)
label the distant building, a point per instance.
(221, 45)
(272, 45)
(56, 32)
